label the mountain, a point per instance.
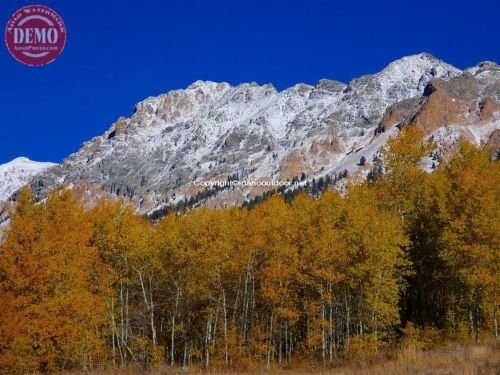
(17, 173)
(215, 131)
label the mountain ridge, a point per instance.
(212, 130)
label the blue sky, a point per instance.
(119, 52)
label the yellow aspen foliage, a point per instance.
(471, 237)
(316, 279)
(403, 177)
(53, 279)
(374, 244)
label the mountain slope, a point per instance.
(210, 131)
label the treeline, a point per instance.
(311, 280)
(313, 188)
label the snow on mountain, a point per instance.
(17, 173)
(210, 131)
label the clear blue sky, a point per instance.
(119, 52)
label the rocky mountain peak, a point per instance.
(484, 66)
(212, 131)
(17, 173)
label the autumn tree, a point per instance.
(53, 282)
(470, 244)
(124, 241)
(313, 278)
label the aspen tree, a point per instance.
(471, 239)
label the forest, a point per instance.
(408, 256)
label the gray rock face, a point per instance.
(212, 130)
